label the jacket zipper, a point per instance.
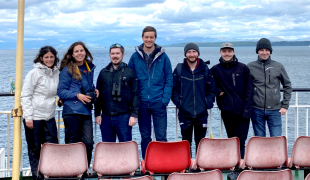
(194, 94)
(234, 79)
(265, 86)
(269, 76)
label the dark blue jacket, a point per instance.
(156, 82)
(234, 79)
(68, 88)
(195, 92)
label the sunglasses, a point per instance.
(116, 45)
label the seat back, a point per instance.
(307, 177)
(116, 158)
(300, 153)
(218, 153)
(266, 152)
(266, 175)
(63, 160)
(208, 175)
(144, 178)
(167, 157)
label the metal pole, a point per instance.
(307, 115)
(58, 129)
(296, 116)
(8, 164)
(176, 124)
(18, 88)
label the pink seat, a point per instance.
(218, 153)
(63, 160)
(116, 158)
(266, 152)
(307, 177)
(300, 154)
(208, 175)
(266, 175)
(167, 157)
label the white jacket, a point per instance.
(39, 93)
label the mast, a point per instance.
(17, 112)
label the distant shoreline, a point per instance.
(244, 43)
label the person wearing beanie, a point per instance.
(234, 96)
(267, 76)
(193, 93)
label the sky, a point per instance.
(101, 23)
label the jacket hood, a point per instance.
(48, 71)
(230, 63)
(156, 53)
(201, 65)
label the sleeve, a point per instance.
(248, 100)
(63, 90)
(99, 87)
(287, 88)
(210, 90)
(217, 89)
(135, 94)
(176, 92)
(30, 83)
(131, 63)
(168, 81)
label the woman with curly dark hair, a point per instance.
(38, 104)
(78, 92)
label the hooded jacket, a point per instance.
(195, 93)
(155, 82)
(234, 79)
(39, 93)
(267, 76)
(130, 95)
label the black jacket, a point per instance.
(195, 92)
(130, 95)
(234, 79)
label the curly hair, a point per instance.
(69, 61)
(43, 51)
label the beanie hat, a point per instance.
(263, 43)
(190, 46)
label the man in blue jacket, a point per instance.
(154, 72)
(193, 93)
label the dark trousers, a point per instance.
(159, 113)
(79, 128)
(42, 132)
(236, 127)
(115, 126)
(198, 124)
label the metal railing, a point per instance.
(296, 107)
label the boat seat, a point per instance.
(266, 175)
(300, 154)
(307, 177)
(116, 158)
(167, 157)
(266, 152)
(218, 153)
(63, 160)
(207, 175)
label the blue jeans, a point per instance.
(112, 126)
(274, 121)
(159, 113)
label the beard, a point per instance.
(192, 61)
(116, 63)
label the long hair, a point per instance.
(43, 51)
(69, 61)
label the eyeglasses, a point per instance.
(116, 45)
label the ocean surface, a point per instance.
(295, 60)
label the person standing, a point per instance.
(38, 103)
(193, 94)
(119, 98)
(78, 92)
(267, 75)
(234, 94)
(154, 72)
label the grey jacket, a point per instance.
(267, 76)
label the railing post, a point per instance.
(296, 116)
(307, 115)
(176, 124)
(58, 128)
(8, 161)
(210, 124)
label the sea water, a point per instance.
(295, 59)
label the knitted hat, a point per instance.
(263, 43)
(190, 46)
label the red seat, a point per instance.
(266, 175)
(167, 157)
(208, 175)
(300, 153)
(218, 153)
(144, 178)
(307, 177)
(266, 152)
(116, 158)
(63, 160)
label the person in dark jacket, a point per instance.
(154, 72)
(193, 93)
(234, 94)
(267, 75)
(119, 98)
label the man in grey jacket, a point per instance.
(267, 75)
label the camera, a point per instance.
(91, 93)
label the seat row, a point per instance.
(164, 158)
